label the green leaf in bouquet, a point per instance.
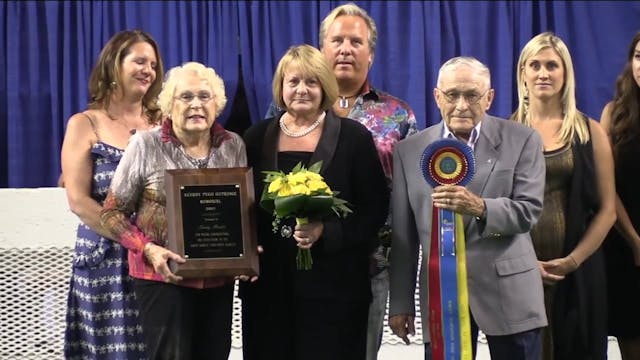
(289, 205)
(340, 207)
(318, 205)
(272, 175)
(316, 167)
(266, 201)
(297, 168)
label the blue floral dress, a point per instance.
(102, 314)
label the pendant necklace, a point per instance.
(122, 122)
(344, 101)
(198, 163)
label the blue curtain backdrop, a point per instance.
(49, 47)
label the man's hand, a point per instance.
(402, 325)
(458, 199)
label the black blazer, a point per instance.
(341, 255)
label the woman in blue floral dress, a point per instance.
(102, 315)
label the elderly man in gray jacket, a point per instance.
(501, 204)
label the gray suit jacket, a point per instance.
(505, 287)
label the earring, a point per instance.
(113, 84)
(525, 99)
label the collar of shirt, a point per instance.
(367, 92)
(473, 139)
(218, 133)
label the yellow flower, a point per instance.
(300, 189)
(313, 176)
(275, 185)
(318, 185)
(301, 193)
(285, 190)
(297, 178)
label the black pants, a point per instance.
(526, 345)
(184, 323)
(319, 329)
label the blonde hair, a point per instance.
(350, 9)
(311, 63)
(572, 123)
(166, 97)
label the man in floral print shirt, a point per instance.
(348, 37)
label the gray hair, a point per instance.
(165, 99)
(456, 62)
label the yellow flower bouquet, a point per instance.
(302, 194)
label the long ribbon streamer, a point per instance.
(449, 321)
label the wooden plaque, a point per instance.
(211, 222)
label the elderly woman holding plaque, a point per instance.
(319, 310)
(182, 318)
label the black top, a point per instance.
(351, 167)
(579, 321)
(623, 276)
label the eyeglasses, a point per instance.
(187, 97)
(453, 97)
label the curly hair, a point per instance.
(165, 99)
(625, 106)
(106, 72)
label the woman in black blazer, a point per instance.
(319, 313)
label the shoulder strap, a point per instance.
(93, 124)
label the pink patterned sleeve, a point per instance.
(126, 188)
(115, 220)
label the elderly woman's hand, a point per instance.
(307, 234)
(158, 257)
(250, 278)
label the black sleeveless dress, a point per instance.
(623, 277)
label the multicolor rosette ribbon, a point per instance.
(448, 162)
